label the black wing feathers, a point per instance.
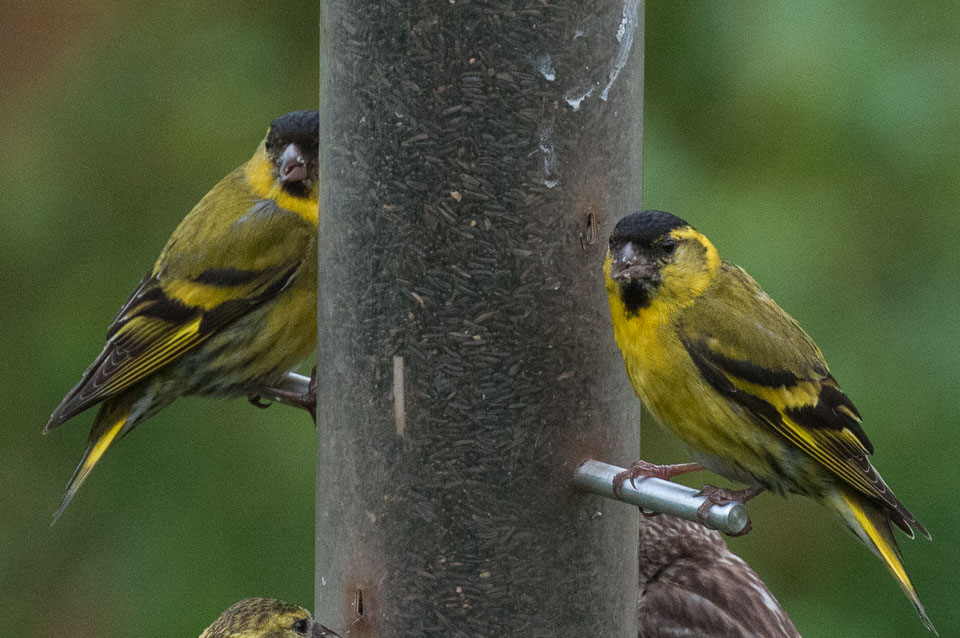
(831, 419)
(216, 318)
(153, 329)
(752, 372)
(833, 410)
(712, 373)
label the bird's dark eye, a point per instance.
(301, 626)
(667, 246)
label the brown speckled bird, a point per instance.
(692, 585)
(266, 618)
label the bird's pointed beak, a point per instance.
(629, 264)
(293, 168)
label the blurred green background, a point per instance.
(816, 143)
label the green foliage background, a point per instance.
(815, 142)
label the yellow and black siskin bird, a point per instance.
(266, 618)
(229, 307)
(731, 374)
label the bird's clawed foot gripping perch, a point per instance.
(723, 496)
(649, 470)
(294, 389)
(651, 493)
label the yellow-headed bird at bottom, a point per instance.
(734, 377)
(230, 305)
(266, 618)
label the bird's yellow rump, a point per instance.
(266, 618)
(731, 374)
(230, 305)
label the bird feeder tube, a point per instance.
(474, 158)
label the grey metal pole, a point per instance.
(476, 155)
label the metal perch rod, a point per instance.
(656, 495)
(292, 382)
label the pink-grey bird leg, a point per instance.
(723, 496)
(650, 470)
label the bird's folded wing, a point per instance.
(166, 317)
(756, 355)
